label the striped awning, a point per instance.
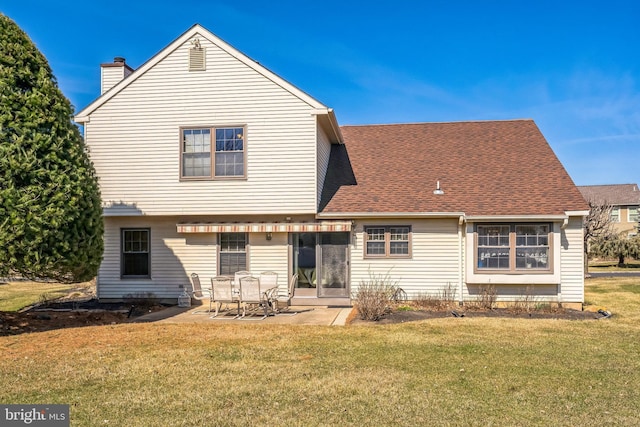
(264, 227)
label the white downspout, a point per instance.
(461, 256)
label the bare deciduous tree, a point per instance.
(597, 225)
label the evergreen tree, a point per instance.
(50, 211)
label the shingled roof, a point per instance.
(616, 194)
(484, 168)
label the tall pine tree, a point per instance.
(50, 212)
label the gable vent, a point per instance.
(196, 56)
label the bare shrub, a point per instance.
(374, 297)
(527, 301)
(445, 298)
(429, 301)
(486, 299)
(448, 294)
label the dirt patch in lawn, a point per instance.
(79, 308)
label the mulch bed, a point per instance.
(402, 316)
(71, 314)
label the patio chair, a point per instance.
(250, 294)
(199, 293)
(275, 297)
(269, 285)
(223, 294)
(236, 279)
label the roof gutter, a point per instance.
(354, 215)
(487, 218)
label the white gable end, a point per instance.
(133, 132)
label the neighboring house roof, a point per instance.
(616, 194)
(491, 168)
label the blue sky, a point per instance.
(572, 66)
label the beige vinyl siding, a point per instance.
(432, 266)
(134, 140)
(173, 258)
(110, 76)
(270, 255)
(324, 152)
(572, 262)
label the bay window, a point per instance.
(513, 247)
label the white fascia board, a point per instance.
(369, 215)
(331, 123)
(196, 30)
(510, 218)
(577, 213)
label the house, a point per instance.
(624, 200)
(210, 163)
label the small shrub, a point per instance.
(374, 297)
(486, 299)
(428, 301)
(444, 299)
(527, 301)
(448, 294)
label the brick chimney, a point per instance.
(112, 73)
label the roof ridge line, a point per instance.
(431, 123)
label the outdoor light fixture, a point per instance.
(269, 236)
(438, 190)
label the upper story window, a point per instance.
(387, 241)
(633, 214)
(615, 214)
(513, 247)
(227, 159)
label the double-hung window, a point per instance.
(233, 253)
(633, 213)
(136, 262)
(513, 247)
(615, 214)
(387, 241)
(212, 152)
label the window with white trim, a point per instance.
(615, 214)
(387, 241)
(633, 213)
(135, 250)
(233, 253)
(513, 247)
(227, 159)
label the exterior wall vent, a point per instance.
(196, 56)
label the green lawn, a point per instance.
(17, 295)
(453, 371)
(630, 265)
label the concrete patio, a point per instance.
(305, 315)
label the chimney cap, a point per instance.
(119, 60)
